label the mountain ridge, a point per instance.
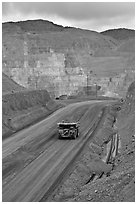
(120, 33)
(58, 27)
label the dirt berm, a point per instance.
(21, 109)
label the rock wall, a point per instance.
(113, 86)
(43, 70)
(35, 67)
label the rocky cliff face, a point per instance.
(66, 65)
(43, 70)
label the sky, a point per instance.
(97, 16)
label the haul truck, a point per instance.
(68, 130)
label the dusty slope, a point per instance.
(8, 85)
(21, 109)
(120, 186)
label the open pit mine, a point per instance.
(68, 115)
(65, 66)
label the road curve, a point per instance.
(40, 176)
(45, 126)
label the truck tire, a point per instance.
(59, 136)
(77, 133)
(74, 136)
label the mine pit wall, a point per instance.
(35, 68)
(45, 71)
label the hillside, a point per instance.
(32, 26)
(40, 54)
(120, 33)
(49, 35)
(24, 108)
(8, 85)
(127, 46)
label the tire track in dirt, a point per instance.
(31, 173)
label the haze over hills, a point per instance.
(39, 54)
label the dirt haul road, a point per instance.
(39, 177)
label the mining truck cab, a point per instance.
(68, 130)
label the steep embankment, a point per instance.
(21, 107)
(8, 85)
(24, 108)
(39, 54)
(120, 185)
